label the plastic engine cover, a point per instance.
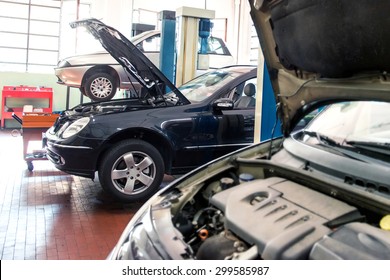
(283, 219)
(355, 241)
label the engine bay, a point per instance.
(275, 218)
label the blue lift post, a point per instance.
(205, 26)
(167, 47)
(268, 116)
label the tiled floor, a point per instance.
(48, 214)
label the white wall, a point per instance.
(118, 13)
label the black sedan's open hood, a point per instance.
(322, 51)
(131, 58)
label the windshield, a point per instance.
(365, 121)
(205, 85)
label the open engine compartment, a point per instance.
(276, 218)
(281, 219)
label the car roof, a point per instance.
(136, 39)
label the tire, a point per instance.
(82, 90)
(100, 87)
(123, 179)
(30, 166)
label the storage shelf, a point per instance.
(24, 95)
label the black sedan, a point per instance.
(132, 143)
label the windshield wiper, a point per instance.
(342, 149)
(323, 139)
(377, 147)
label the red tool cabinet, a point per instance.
(34, 125)
(15, 97)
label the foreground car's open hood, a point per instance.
(321, 51)
(131, 58)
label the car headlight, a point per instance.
(138, 246)
(63, 63)
(75, 127)
(135, 242)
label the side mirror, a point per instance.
(223, 104)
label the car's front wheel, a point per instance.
(132, 170)
(100, 87)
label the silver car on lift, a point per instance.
(98, 75)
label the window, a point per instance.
(216, 46)
(254, 46)
(151, 44)
(29, 35)
(244, 95)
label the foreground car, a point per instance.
(133, 142)
(99, 75)
(322, 192)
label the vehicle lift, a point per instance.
(180, 59)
